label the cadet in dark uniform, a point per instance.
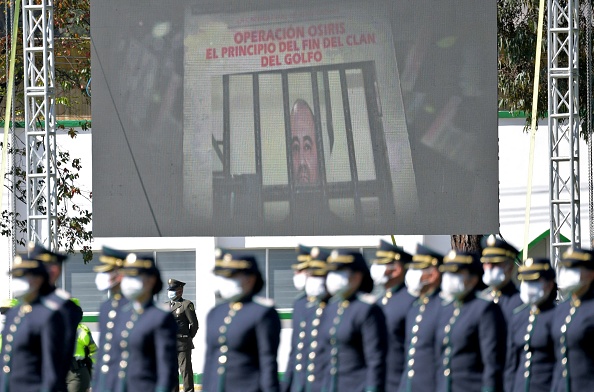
(108, 280)
(471, 331)
(423, 281)
(354, 327)
(530, 353)
(243, 332)
(71, 313)
(299, 307)
(573, 323)
(308, 362)
(144, 333)
(299, 274)
(33, 336)
(187, 326)
(498, 263)
(388, 270)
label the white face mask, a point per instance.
(299, 280)
(171, 294)
(378, 273)
(315, 286)
(453, 284)
(20, 287)
(494, 276)
(230, 288)
(570, 279)
(132, 287)
(337, 282)
(413, 282)
(103, 281)
(531, 292)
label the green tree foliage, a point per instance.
(517, 37)
(517, 24)
(72, 72)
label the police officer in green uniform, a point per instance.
(187, 326)
(78, 378)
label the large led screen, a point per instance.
(294, 118)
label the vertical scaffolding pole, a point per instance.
(40, 125)
(564, 124)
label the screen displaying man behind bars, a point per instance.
(185, 316)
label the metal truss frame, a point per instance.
(40, 124)
(564, 124)
(563, 107)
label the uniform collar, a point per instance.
(246, 298)
(588, 294)
(508, 289)
(428, 296)
(175, 304)
(550, 302)
(467, 298)
(315, 301)
(338, 298)
(396, 288)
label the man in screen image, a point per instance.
(304, 148)
(311, 213)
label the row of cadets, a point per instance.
(242, 332)
(388, 270)
(308, 361)
(456, 334)
(137, 343)
(551, 348)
